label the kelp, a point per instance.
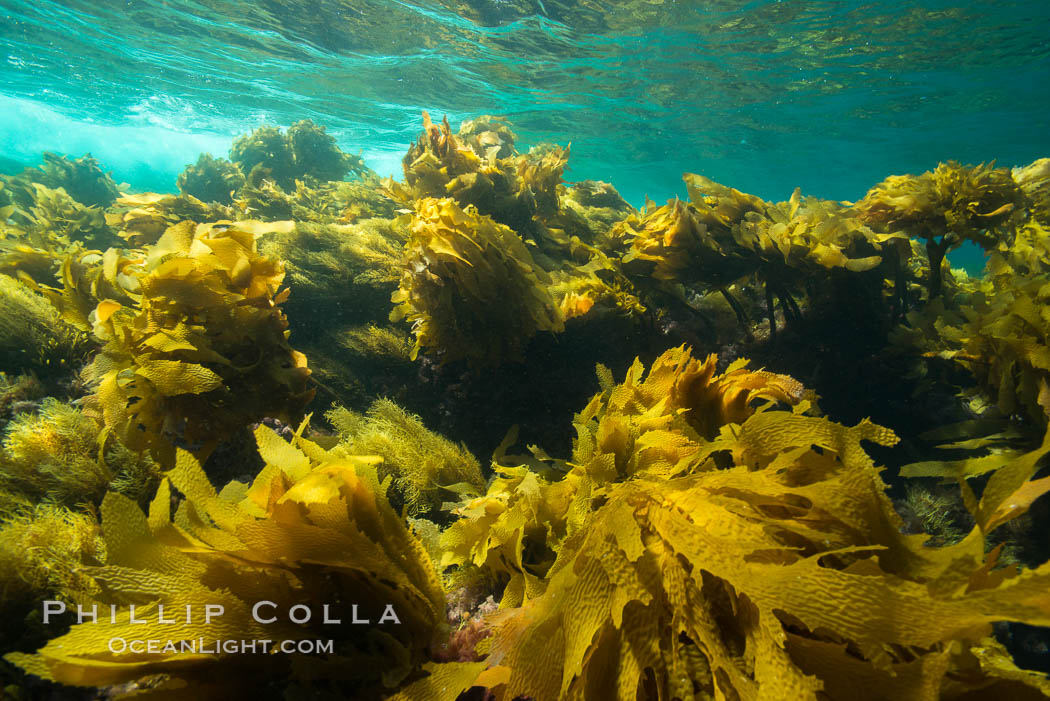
(50, 225)
(1034, 179)
(519, 190)
(811, 235)
(428, 470)
(1028, 253)
(314, 526)
(305, 150)
(210, 179)
(1000, 333)
(730, 578)
(679, 247)
(597, 203)
(469, 286)
(946, 207)
(723, 236)
(82, 178)
(598, 288)
(141, 219)
(653, 423)
(326, 203)
(708, 535)
(200, 350)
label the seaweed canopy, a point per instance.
(82, 178)
(143, 218)
(680, 247)
(32, 335)
(48, 224)
(314, 526)
(763, 570)
(809, 235)
(946, 207)
(197, 348)
(1034, 179)
(469, 286)
(723, 235)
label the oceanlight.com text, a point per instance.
(202, 646)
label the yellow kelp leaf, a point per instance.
(259, 228)
(105, 310)
(274, 450)
(1017, 503)
(172, 377)
(763, 597)
(197, 323)
(170, 341)
(1008, 492)
(771, 576)
(967, 467)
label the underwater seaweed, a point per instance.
(313, 526)
(653, 424)
(34, 238)
(201, 349)
(210, 179)
(141, 219)
(952, 204)
(519, 190)
(82, 178)
(456, 264)
(336, 202)
(1000, 333)
(305, 150)
(33, 336)
(43, 550)
(731, 578)
(723, 236)
(382, 344)
(428, 470)
(340, 273)
(61, 455)
(1034, 179)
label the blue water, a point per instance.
(831, 96)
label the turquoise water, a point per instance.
(764, 96)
